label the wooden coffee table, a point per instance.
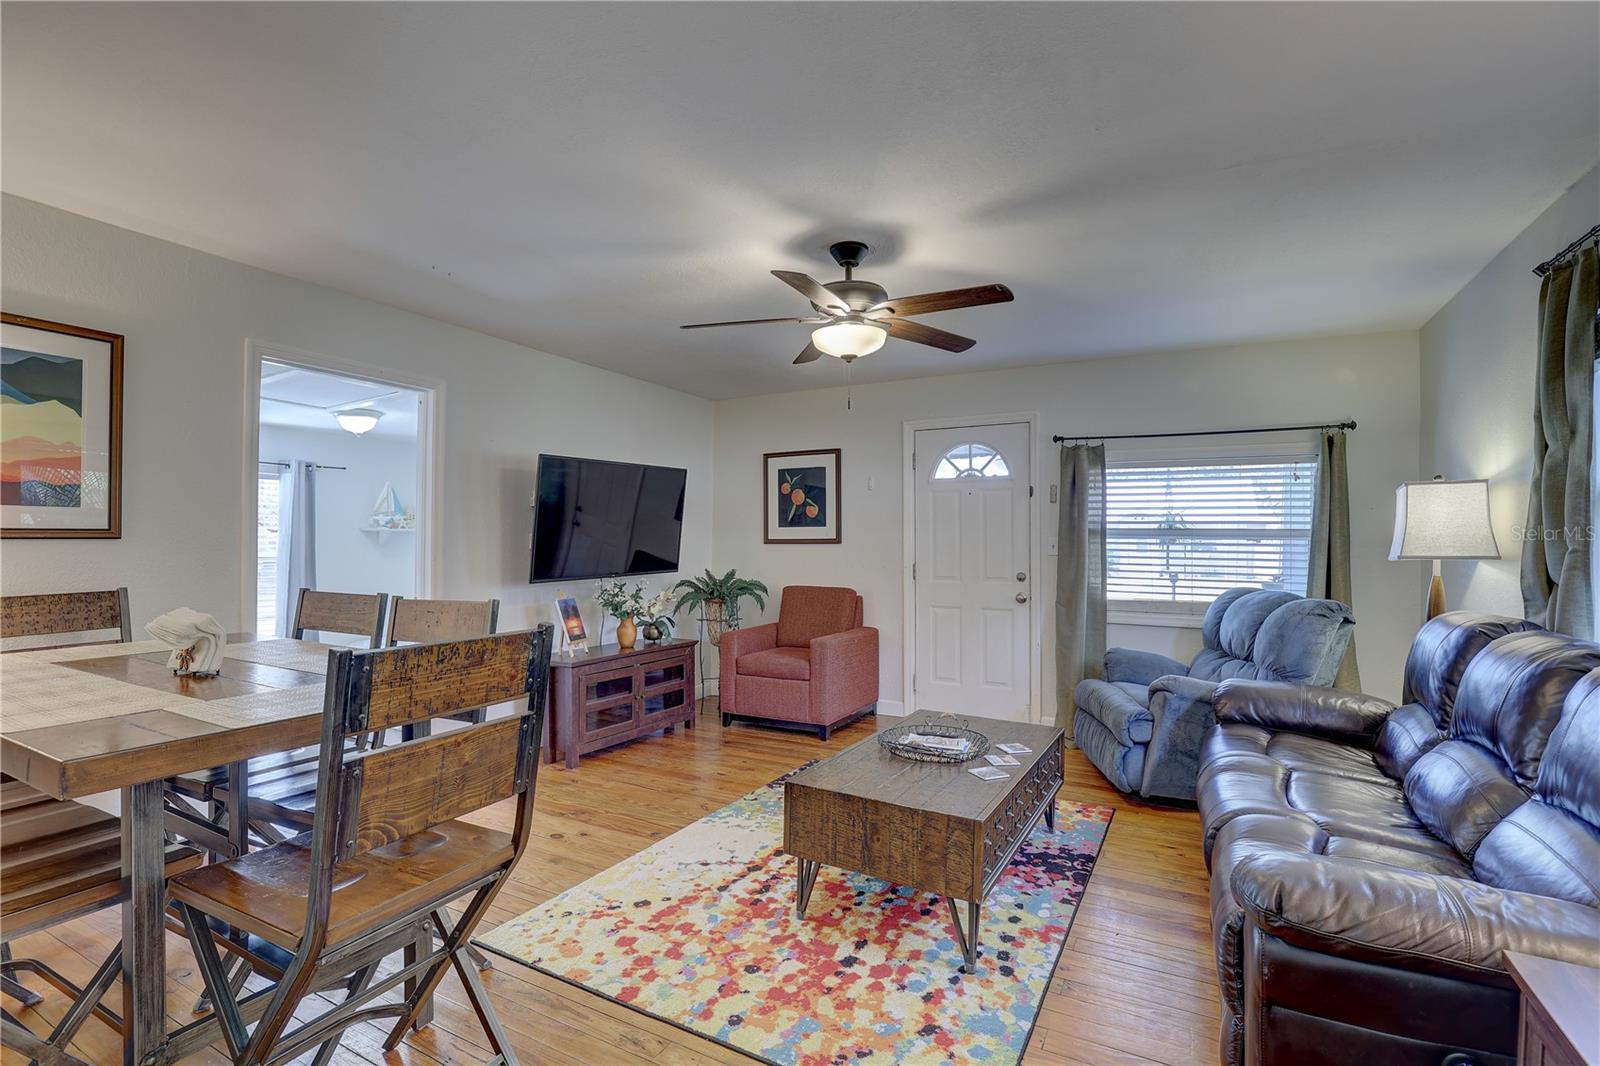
(932, 826)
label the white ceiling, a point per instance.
(306, 399)
(583, 178)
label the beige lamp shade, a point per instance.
(1443, 520)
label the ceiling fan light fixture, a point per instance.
(357, 420)
(849, 339)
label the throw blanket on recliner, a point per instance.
(1142, 725)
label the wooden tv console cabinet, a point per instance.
(605, 696)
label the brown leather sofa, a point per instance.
(1370, 864)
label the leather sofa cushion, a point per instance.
(791, 664)
(809, 611)
(1512, 694)
(1295, 751)
(1551, 845)
(1439, 656)
(1461, 792)
(1371, 809)
(1407, 735)
(1362, 809)
(1569, 774)
(1122, 707)
(1253, 835)
(1544, 850)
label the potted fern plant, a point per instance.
(717, 599)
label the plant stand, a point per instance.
(705, 678)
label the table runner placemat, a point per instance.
(37, 691)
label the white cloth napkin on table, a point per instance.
(197, 640)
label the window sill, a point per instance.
(1154, 619)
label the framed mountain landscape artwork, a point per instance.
(60, 430)
(802, 497)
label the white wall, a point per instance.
(349, 558)
(1478, 359)
(187, 316)
(1372, 379)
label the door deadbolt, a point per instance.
(1022, 575)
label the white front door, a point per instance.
(972, 586)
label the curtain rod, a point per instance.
(285, 462)
(1544, 268)
(1203, 432)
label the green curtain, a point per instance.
(1080, 574)
(1556, 590)
(1328, 572)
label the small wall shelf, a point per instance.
(384, 531)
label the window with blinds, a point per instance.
(1180, 532)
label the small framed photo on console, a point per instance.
(575, 637)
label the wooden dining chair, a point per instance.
(388, 849)
(82, 614)
(59, 860)
(285, 794)
(57, 614)
(343, 613)
(423, 621)
(348, 613)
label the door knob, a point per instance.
(1022, 597)
(1022, 575)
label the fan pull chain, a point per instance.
(847, 386)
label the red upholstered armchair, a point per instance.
(816, 666)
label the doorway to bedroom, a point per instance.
(339, 483)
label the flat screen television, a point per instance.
(593, 518)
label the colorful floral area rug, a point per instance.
(699, 930)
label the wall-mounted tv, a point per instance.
(593, 518)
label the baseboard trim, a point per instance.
(891, 709)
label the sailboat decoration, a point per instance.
(387, 512)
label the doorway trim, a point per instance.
(430, 455)
(908, 549)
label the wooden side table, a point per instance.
(606, 696)
(1560, 1011)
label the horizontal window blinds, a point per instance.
(1178, 533)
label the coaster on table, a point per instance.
(988, 773)
(1001, 760)
(1015, 749)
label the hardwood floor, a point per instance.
(1136, 983)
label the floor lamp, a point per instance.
(1442, 519)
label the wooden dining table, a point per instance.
(79, 721)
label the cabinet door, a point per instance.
(607, 703)
(664, 688)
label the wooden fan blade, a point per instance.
(742, 322)
(811, 354)
(811, 289)
(917, 333)
(949, 300)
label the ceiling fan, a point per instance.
(854, 317)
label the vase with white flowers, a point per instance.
(622, 603)
(655, 619)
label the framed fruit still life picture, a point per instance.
(60, 430)
(801, 493)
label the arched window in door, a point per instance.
(971, 459)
